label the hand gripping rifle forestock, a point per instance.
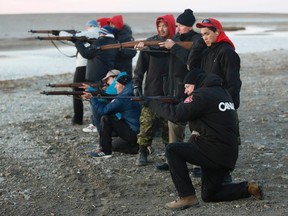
(131, 44)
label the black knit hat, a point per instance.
(193, 76)
(187, 18)
(124, 79)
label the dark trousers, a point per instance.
(79, 76)
(110, 125)
(212, 188)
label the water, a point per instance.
(262, 33)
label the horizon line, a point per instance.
(25, 13)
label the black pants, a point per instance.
(79, 76)
(212, 189)
(110, 125)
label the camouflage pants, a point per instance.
(149, 124)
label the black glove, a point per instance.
(55, 32)
(73, 39)
(137, 91)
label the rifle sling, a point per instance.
(70, 56)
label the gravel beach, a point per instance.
(44, 169)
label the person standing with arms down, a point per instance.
(156, 66)
(210, 109)
(92, 32)
(220, 58)
(123, 33)
(178, 69)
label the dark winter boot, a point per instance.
(164, 166)
(142, 156)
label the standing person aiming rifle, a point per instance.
(123, 33)
(178, 69)
(91, 32)
(155, 65)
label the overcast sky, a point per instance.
(105, 6)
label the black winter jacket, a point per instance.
(125, 56)
(211, 112)
(221, 59)
(99, 61)
(178, 63)
(156, 66)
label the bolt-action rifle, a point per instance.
(71, 31)
(67, 38)
(130, 44)
(75, 85)
(101, 95)
(94, 93)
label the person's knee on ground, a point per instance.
(122, 146)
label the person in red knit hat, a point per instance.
(123, 34)
(103, 21)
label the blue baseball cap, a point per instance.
(93, 23)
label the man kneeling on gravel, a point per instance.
(210, 109)
(126, 128)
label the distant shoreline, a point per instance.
(142, 24)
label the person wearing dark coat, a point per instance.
(210, 109)
(221, 58)
(178, 68)
(99, 61)
(91, 32)
(126, 128)
(123, 33)
(155, 65)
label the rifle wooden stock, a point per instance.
(131, 44)
(68, 38)
(72, 31)
(74, 85)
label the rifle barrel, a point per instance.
(82, 38)
(50, 31)
(94, 93)
(73, 85)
